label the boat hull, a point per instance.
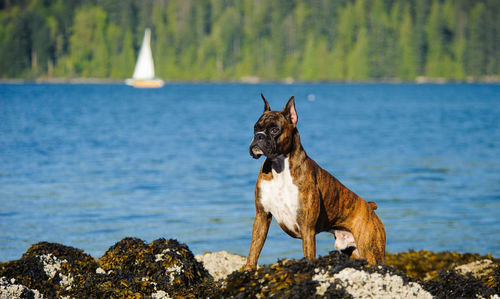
(147, 83)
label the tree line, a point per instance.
(228, 40)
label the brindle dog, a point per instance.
(305, 199)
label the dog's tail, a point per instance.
(372, 205)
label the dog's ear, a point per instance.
(266, 104)
(289, 111)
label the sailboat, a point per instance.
(144, 72)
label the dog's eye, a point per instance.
(275, 130)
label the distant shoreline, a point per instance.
(255, 80)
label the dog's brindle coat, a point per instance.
(304, 198)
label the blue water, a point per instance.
(87, 165)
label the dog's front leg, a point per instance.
(259, 235)
(309, 243)
(308, 218)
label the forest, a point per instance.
(306, 40)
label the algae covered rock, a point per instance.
(450, 284)
(130, 268)
(50, 268)
(426, 265)
(11, 288)
(333, 276)
(337, 276)
(450, 274)
(484, 270)
(133, 268)
(166, 268)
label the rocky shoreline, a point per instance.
(168, 269)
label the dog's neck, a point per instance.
(297, 153)
(278, 163)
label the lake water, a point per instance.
(87, 165)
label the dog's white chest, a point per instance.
(280, 197)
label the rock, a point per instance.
(168, 269)
(160, 295)
(361, 284)
(161, 269)
(328, 276)
(450, 274)
(12, 289)
(478, 269)
(335, 275)
(487, 271)
(129, 268)
(221, 264)
(450, 284)
(426, 265)
(50, 268)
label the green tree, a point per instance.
(380, 41)
(475, 58)
(338, 69)
(434, 65)
(358, 64)
(309, 67)
(15, 50)
(323, 61)
(121, 52)
(448, 32)
(421, 8)
(458, 45)
(226, 40)
(407, 64)
(343, 44)
(89, 55)
(99, 61)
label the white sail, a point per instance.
(144, 72)
(144, 69)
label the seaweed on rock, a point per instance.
(493, 281)
(134, 268)
(167, 262)
(167, 268)
(50, 268)
(426, 265)
(450, 284)
(445, 274)
(11, 288)
(299, 278)
(130, 268)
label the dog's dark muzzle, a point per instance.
(258, 145)
(262, 145)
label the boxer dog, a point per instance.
(305, 199)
